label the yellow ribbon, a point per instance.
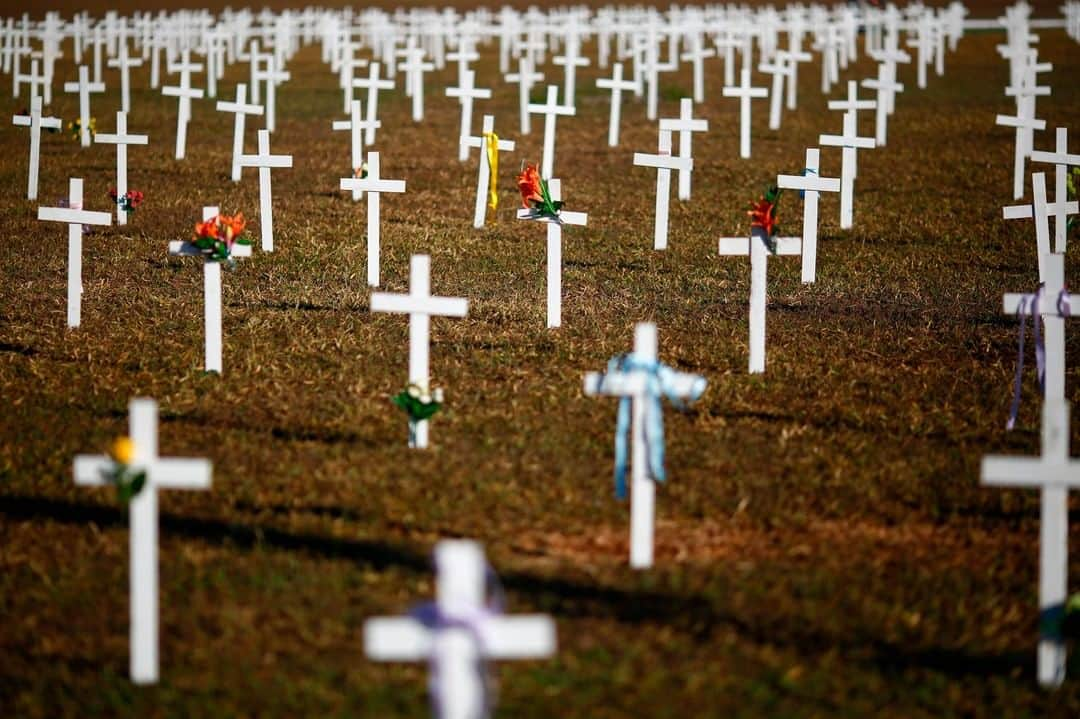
(493, 162)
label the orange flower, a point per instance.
(528, 183)
(234, 226)
(207, 229)
(763, 214)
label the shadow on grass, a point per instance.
(695, 615)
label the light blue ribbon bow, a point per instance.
(659, 383)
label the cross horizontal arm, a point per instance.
(667, 162)
(370, 185)
(676, 124)
(1017, 212)
(847, 141)
(236, 107)
(186, 249)
(193, 92)
(1011, 304)
(183, 473)
(524, 636)
(626, 384)
(741, 246)
(1057, 158)
(440, 306)
(1004, 471)
(1010, 121)
(808, 182)
(565, 217)
(481, 142)
(90, 467)
(74, 217)
(265, 161)
(396, 639)
(114, 139)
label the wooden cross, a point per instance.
(616, 84)
(84, 87)
(466, 93)
(265, 161)
(550, 110)
(1053, 316)
(355, 126)
(1062, 160)
(525, 79)
(484, 178)
(184, 93)
(240, 109)
(161, 473)
(211, 292)
(420, 305)
(851, 106)
(554, 249)
(745, 93)
(374, 185)
(461, 635)
(885, 88)
(664, 164)
(1040, 210)
(75, 217)
(123, 62)
(415, 67)
(635, 384)
(811, 185)
(121, 139)
(757, 246)
(373, 85)
(1054, 473)
(35, 122)
(685, 124)
(1025, 124)
(849, 143)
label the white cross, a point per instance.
(415, 67)
(685, 124)
(121, 139)
(124, 63)
(374, 184)
(1054, 473)
(755, 247)
(35, 122)
(811, 185)
(616, 84)
(75, 217)
(550, 110)
(1061, 159)
(240, 109)
(851, 106)
(1025, 123)
(570, 60)
(184, 93)
(634, 383)
(466, 93)
(484, 179)
(745, 92)
(664, 164)
(554, 249)
(525, 79)
(1053, 323)
(356, 128)
(84, 87)
(849, 142)
(264, 161)
(373, 85)
(1040, 210)
(161, 473)
(466, 634)
(779, 68)
(420, 305)
(886, 89)
(272, 76)
(34, 79)
(211, 292)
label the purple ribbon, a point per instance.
(435, 618)
(1029, 304)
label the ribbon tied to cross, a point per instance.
(491, 144)
(1029, 304)
(659, 383)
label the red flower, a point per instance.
(763, 214)
(528, 183)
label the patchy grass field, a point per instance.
(823, 545)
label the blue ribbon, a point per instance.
(659, 383)
(806, 171)
(1029, 304)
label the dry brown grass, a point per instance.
(824, 547)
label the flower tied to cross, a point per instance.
(75, 127)
(535, 195)
(491, 147)
(128, 482)
(360, 173)
(763, 216)
(128, 201)
(1029, 304)
(659, 383)
(473, 620)
(418, 402)
(217, 235)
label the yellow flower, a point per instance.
(122, 450)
